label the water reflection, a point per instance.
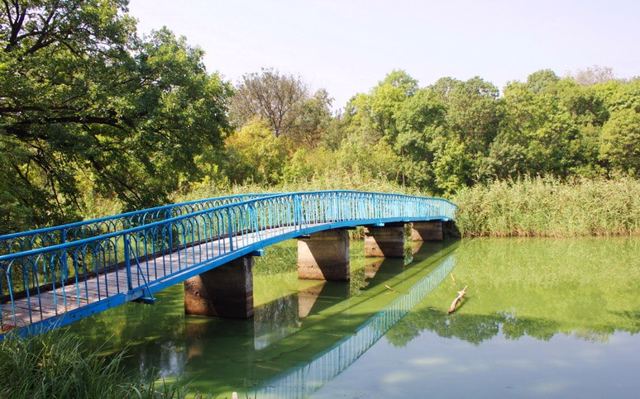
(536, 288)
(307, 378)
(305, 333)
(283, 316)
(295, 321)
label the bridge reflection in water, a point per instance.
(305, 379)
(303, 334)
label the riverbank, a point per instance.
(550, 208)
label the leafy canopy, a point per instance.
(87, 107)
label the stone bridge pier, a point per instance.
(427, 231)
(226, 291)
(384, 242)
(324, 256)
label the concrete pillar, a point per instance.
(226, 291)
(324, 256)
(387, 241)
(427, 231)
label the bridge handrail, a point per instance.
(8, 241)
(92, 269)
(41, 250)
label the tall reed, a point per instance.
(56, 365)
(550, 207)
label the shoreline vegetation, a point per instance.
(527, 207)
(546, 207)
(56, 364)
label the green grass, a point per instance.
(56, 365)
(551, 208)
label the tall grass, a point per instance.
(550, 207)
(338, 181)
(55, 365)
(526, 207)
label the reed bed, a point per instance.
(550, 207)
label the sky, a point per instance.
(348, 46)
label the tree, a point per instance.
(84, 99)
(593, 75)
(542, 80)
(270, 95)
(618, 95)
(256, 154)
(374, 114)
(472, 110)
(537, 135)
(421, 120)
(621, 141)
(312, 119)
(386, 100)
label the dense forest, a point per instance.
(95, 118)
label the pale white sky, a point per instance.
(348, 46)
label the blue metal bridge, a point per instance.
(53, 276)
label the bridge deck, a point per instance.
(69, 297)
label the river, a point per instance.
(542, 318)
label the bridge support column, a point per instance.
(427, 231)
(226, 291)
(324, 256)
(387, 241)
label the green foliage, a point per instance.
(311, 120)
(89, 101)
(55, 365)
(536, 136)
(550, 207)
(472, 110)
(256, 154)
(621, 141)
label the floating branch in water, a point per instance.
(458, 299)
(389, 288)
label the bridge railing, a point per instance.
(46, 282)
(47, 236)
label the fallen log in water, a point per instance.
(458, 299)
(389, 288)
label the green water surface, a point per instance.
(542, 318)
